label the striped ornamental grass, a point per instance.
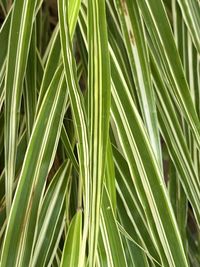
(100, 133)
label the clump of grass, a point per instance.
(100, 133)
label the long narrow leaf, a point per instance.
(98, 111)
(20, 36)
(31, 183)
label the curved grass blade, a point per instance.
(116, 41)
(110, 234)
(49, 218)
(175, 141)
(102, 258)
(164, 248)
(18, 47)
(180, 204)
(79, 116)
(133, 31)
(146, 174)
(69, 149)
(130, 209)
(73, 11)
(21, 150)
(54, 51)
(128, 237)
(46, 132)
(51, 66)
(168, 60)
(191, 10)
(70, 256)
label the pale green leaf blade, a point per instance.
(99, 95)
(70, 256)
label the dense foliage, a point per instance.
(100, 133)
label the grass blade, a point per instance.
(79, 116)
(31, 183)
(98, 112)
(19, 41)
(70, 256)
(148, 178)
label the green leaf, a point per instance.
(51, 217)
(134, 35)
(110, 234)
(191, 10)
(130, 211)
(146, 174)
(160, 31)
(79, 116)
(30, 93)
(99, 95)
(68, 148)
(46, 132)
(174, 138)
(70, 256)
(18, 47)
